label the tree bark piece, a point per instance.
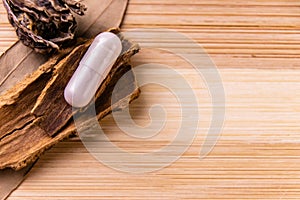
(51, 109)
(47, 116)
(16, 103)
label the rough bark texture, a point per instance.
(34, 114)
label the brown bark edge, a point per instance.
(35, 116)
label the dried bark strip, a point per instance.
(26, 145)
(44, 88)
(16, 103)
(51, 108)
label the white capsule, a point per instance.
(92, 69)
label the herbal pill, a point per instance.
(92, 69)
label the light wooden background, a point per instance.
(256, 46)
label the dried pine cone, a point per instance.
(44, 25)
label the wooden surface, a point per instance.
(256, 46)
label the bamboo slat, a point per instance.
(256, 46)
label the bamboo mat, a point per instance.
(256, 46)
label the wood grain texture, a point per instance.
(255, 45)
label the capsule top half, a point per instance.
(104, 50)
(92, 69)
